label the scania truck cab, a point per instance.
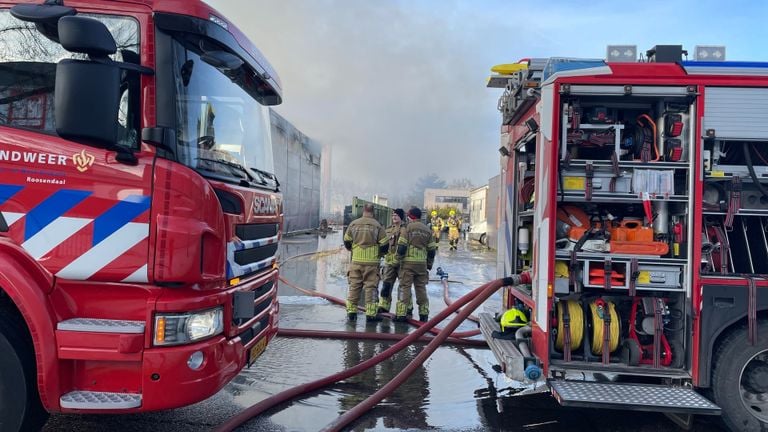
(139, 213)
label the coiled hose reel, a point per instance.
(599, 310)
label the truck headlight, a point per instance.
(177, 329)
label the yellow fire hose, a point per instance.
(598, 326)
(576, 324)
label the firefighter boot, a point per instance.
(351, 311)
(370, 313)
(400, 312)
(385, 299)
(423, 313)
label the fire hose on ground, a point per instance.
(472, 300)
(447, 298)
(330, 334)
(340, 302)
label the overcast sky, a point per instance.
(398, 87)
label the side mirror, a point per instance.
(86, 35)
(87, 94)
(86, 101)
(45, 16)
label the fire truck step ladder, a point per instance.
(510, 358)
(100, 400)
(634, 397)
(101, 325)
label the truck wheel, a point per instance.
(20, 407)
(483, 240)
(740, 380)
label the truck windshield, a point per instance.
(28, 74)
(223, 132)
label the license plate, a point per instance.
(257, 350)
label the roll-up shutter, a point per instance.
(737, 113)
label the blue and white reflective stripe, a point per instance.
(119, 215)
(600, 70)
(53, 235)
(253, 267)
(7, 191)
(250, 244)
(106, 251)
(139, 275)
(51, 209)
(726, 68)
(11, 217)
(236, 270)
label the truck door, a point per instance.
(73, 207)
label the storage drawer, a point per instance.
(658, 276)
(576, 180)
(593, 274)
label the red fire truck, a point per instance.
(636, 193)
(140, 217)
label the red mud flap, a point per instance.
(635, 397)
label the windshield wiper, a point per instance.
(247, 177)
(264, 175)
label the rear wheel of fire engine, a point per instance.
(20, 407)
(740, 380)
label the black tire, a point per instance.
(730, 358)
(20, 407)
(483, 239)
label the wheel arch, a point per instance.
(24, 288)
(724, 309)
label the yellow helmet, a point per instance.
(513, 319)
(561, 269)
(434, 212)
(452, 212)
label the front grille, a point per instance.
(255, 231)
(253, 250)
(253, 331)
(254, 255)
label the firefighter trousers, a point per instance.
(412, 275)
(363, 277)
(388, 282)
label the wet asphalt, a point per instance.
(457, 389)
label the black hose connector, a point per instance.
(518, 279)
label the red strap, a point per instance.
(734, 202)
(590, 173)
(633, 274)
(608, 272)
(658, 327)
(567, 330)
(724, 248)
(752, 311)
(606, 333)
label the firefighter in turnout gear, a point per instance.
(437, 225)
(367, 240)
(391, 266)
(416, 249)
(453, 223)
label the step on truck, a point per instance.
(139, 212)
(636, 193)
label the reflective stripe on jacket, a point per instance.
(366, 235)
(418, 238)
